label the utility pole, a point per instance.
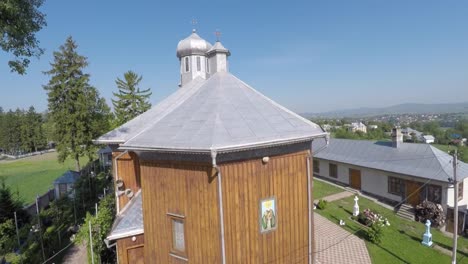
(455, 209)
(91, 242)
(17, 231)
(39, 226)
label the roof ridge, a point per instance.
(171, 109)
(312, 124)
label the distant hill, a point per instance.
(408, 108)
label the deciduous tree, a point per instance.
(20, 20)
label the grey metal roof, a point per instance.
(68, 177)
(218, 47)
(221, 113)
(130, 220)
(420, 160)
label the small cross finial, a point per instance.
(218, 34)
(194, 23)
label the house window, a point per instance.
(333, 170)
(207, 65)
(460, 191)
(316, 166)
(395, 185)
(187, 66)
(178, 245)
(198, 64)
(434, 193)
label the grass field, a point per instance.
(34, 175)
(322, 189)
(402, 240)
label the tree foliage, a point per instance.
(8, 202)
(75, 107)
(101, 225)
(20, 20)
(130, 100)
(21, 131)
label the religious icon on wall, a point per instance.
(268, 214)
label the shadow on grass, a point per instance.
(459, 252)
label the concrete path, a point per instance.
(334, 245)
(336, 196)
(76, 254)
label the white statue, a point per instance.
(356, 206)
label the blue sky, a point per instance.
(310, 56)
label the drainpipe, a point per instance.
(309, 201)
(220, 202)
(117, 177)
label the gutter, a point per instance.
(220, 202)
(232, 148)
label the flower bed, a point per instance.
(369, 218)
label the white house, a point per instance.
(395, 172)
(428, 139)
(64, 184)
(359, 126)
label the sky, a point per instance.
(310, 56)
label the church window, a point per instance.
(187, 66)
(198, 64)
(178, 245)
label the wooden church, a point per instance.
(215, 173)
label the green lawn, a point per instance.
(322, 189)
(462, 150)
(34, 175)
(402, 240)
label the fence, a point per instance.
(28, 154)
(43, 201)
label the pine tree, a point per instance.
(8, 203)
(77, 110)
(32, 133)
(130, 100)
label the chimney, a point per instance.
(397, 137)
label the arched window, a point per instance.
(187, 66)
(207, 65)
(198, 63)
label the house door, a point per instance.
(355, 179)
(413, 193)
(135, 255)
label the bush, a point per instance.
(375, 233)
(430, 211)
(322, 204)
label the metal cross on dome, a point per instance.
(194, 23)
(218, 34)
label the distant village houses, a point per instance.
(358, 126)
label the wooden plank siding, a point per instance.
(128, 169)
(191, 190)
(244, 185)
(129, 251)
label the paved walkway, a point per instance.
(337, 196)
(77, 254)
(334, 245)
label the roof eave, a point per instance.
(226, 149)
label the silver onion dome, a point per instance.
(192, 45)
